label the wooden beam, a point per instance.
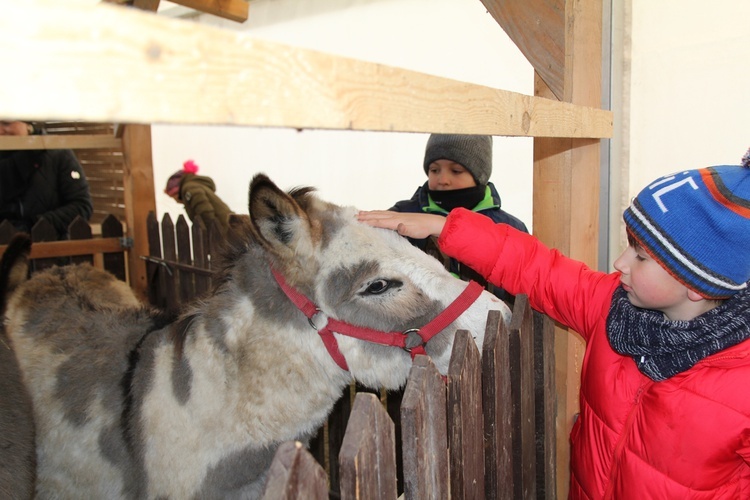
(70, 248)
(234, 10)
(149, 5)
(138, 183)
(66, 141)
(537, 27)
(566, 200)
(152, 69)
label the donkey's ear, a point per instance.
(14, 266)
(278, 221)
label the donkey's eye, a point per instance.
(379, 286)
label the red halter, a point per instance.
(411, 340)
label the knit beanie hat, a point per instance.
(696, 224)
(173, 183)
(473, 152)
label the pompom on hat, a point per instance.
(473, 152)
(173, 183)
(696, 224)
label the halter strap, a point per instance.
(411, 340)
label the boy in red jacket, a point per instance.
(664, 406)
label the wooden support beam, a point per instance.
(537, 27)
(139, 200)
(149, 5)
(152, 69)
(67, 141)
(566, 199)
(234, 10)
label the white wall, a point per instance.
(681, 93)
(690, 86)
(451, 38)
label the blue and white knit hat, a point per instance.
(696, 224)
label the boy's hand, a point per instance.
(413, 225)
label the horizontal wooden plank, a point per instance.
(154, 69)
(8, 142)
(45, 249)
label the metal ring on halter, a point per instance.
(312, 323)
(413, 339)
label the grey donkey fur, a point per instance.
(17, 444)
(127, 405)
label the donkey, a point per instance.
(306, 300)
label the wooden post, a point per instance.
(566, 198)
(139, 200)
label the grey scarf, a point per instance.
(662, 348)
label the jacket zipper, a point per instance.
(626, 429)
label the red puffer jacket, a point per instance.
(685, 437)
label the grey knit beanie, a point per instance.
(473, 152)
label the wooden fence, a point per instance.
(485, 431)
(104, 248)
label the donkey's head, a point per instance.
(366, 282)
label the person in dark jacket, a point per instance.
(41, 184)
(198, 194)
(458, 169)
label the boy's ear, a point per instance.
(695, 296)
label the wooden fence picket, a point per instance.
(186, 285)
(545, 399)
(43, 230)
(368, 452)
(201, 256)
(155, 274)
(498, 410)
(424, 433)
(295, 475)
(521, 364)
(465, 419)
(171, 273)
(79, 229)
(114, 262)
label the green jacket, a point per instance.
(198, 194)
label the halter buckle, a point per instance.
(413, 339)
(312, 318)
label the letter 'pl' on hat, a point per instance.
(473, 152)
(696, 224)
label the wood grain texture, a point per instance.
(465, 419)
(537, 27)
(368, 452)
(424, 433)
(150, 69)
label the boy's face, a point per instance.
(447, 175)
(650, 286)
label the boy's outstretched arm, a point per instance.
(413, 225)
